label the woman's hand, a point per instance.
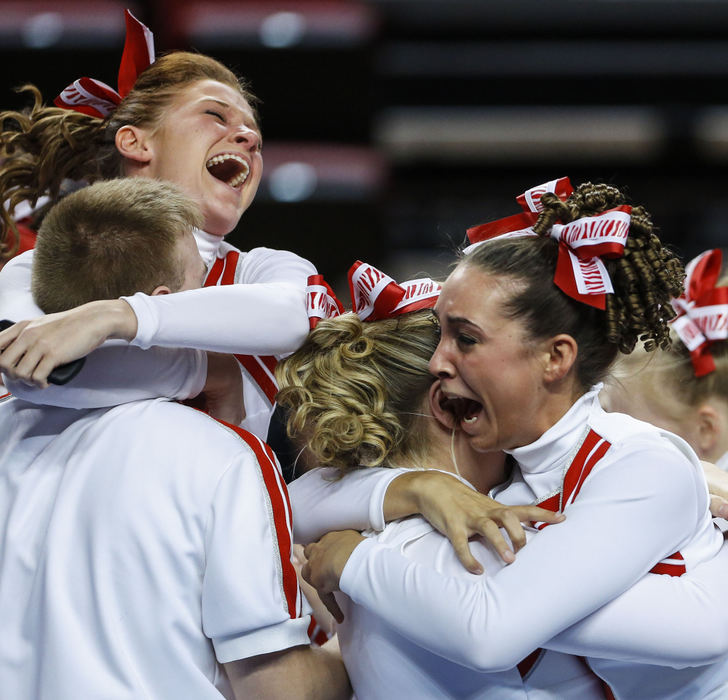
(459, 512)
(717, 479)
(325, 562)
(30, 350)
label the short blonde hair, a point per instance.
(111, 239)
(354, 389)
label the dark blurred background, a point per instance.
(393, 125)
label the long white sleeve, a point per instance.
(264, 314)
(114, 373)
(665, 620)
(118, 373)
(322, 502)
(613, 534)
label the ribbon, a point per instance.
(321, 302)
(375, 295)
(97, 99)
(530, 200)
(703, 310)
(580, 272)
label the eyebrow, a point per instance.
(225, 105)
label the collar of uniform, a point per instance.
(548, 452)
(207, 244)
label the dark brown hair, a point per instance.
(645, 278)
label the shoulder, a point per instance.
(626, 434)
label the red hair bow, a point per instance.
(703, 310)
(580, 272)
(97, 99)
(374, 295)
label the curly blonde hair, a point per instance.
(645, 279)
(353, 389)
(44, 146)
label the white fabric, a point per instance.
(132, 568)
(644, 500)
(263, 313)
(694, 631)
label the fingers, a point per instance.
(460, 545)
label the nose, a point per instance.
(247, 136)
(440, 366)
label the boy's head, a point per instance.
(115, 238)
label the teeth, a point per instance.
(472, 419)
(238, 179)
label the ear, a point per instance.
(709, 427)
(134, 144)
(161, 289)
(560, 356)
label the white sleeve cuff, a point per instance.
(147, 319)
(266, 640)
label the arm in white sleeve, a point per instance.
(614, 533)
(118, 373)
(16, 299)
(663, 620)
(263, 313)
(321, 502)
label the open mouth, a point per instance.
(452, 411)
(231, 168)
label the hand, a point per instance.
(459, 512)
(717, 479)
(30, 350)
(325, 563)
(719, 507)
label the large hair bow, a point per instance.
(702, 310)
(97, 99)
(580, 272)
(374, 295)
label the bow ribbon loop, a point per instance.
(530, 200)
(375, 295)
(321, 302)
(97, 99)
(702, 310)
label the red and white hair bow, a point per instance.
(580, 272)
(703, 310)
(97, 99)
(374, 295)
(321, 302)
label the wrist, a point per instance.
(404, 495)
(121, 319)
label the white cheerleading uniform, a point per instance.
(134, 568)
(257, 311)
(636, 502)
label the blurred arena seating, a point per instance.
(393, 125)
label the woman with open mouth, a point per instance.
(183, 118)
(531, 320)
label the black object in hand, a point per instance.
(61, 374)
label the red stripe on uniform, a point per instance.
(280, 505)
(666, 566)
(231, 265)
(255, 367)
(215, 271)
(582, 465)
(595, 457)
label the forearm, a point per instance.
(321, 502)
(301, 673)
(117, 373)
(251, 319)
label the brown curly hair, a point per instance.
(353, 389)
(45, 146)
(645, 279)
